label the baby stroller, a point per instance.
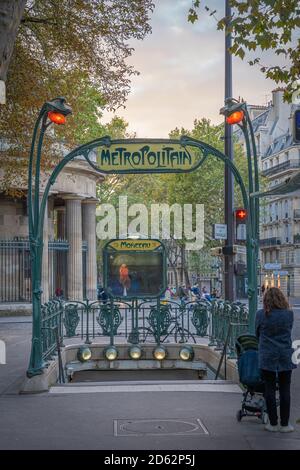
(253, 403)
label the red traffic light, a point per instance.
(235, 117)
(240, 215)
(57, 118)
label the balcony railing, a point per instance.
(270, 241)
(281, 167)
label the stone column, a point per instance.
(61, 223)
(45, 262)
(89, 235)
(74, 237)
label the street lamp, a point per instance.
(54, 111)
(236, 112)
(235, 118)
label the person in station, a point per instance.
(59, 293)
(273, 326)
(214, 293)
(124, 278)
(102, 294)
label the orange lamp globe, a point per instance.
(235, 117)
(57, 118)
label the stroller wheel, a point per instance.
(239, 415)
(265, 418)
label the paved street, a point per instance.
(161, 415)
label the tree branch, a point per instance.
(31, 19)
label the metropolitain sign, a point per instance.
(145, 156)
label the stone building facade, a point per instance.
(69, 235)
(279, 158)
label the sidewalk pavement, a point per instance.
(161, 415)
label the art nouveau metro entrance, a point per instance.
(54, 321)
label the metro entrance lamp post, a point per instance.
(54, 111)
(237, 113)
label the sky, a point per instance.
(182, 73)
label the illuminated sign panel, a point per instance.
(134, 268)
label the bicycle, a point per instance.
(160, 322)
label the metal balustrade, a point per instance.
(144, 322)
(52, 327)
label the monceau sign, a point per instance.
(134, 245)
(147, 156)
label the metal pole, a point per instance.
(36, 362)
(228, 150)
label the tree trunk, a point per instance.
(11, 12)
(184, 267)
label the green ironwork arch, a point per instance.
(185, 141)
(36, 222)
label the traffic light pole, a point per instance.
(229, 281)
(240, 116)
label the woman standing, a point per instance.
(273, 328)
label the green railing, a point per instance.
(147, 321)
(52, 327)
(227, 316)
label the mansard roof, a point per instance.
(279, 144)
(260, 120)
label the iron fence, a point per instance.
(52, 333)
(147, 321)
(15, 269)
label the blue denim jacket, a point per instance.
(274, 337)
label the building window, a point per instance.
(297, 255)
(280, 210)
(287, 233)
(286, 209)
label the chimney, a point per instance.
(277, 98)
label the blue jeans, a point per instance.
(284, 384)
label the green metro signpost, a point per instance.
(134, 156)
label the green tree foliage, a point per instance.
(206, 184)
(264, 25)
(77, 49)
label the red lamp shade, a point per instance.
(57, 118)
(235, 117)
